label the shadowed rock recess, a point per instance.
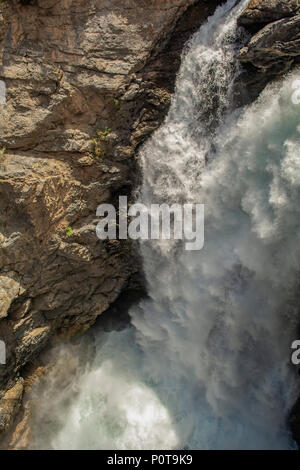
(274, 49)
(85, 84)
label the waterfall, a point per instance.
(205, 364)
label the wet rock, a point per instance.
(267, 11)
(273, 48)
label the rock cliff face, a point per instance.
(85, 83)
(274, 49)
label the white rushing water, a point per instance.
(206, 363)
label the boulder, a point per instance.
(266, 11)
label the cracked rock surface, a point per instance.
(82, 84)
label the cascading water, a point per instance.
(206, 363)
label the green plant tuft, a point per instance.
(69, 231)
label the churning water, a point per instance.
(205, 363)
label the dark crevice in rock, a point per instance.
(274, 48)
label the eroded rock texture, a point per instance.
(274, 49)
(265, 11)
(86, 82)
